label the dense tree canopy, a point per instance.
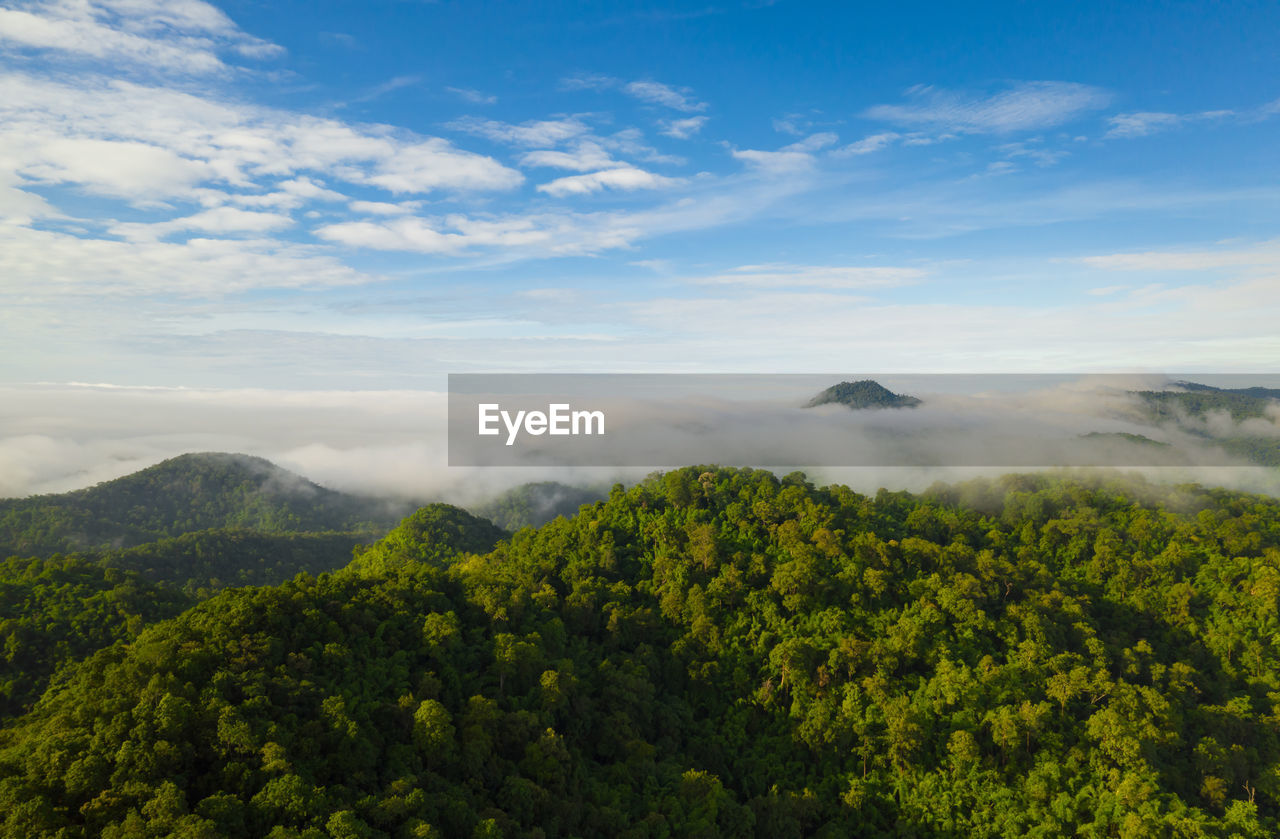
(203, 562)
(713, 652)
(861, 395)
(56, 611)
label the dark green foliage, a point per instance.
(1124, 437)
(715, 652)
(1165, 405)
(1264, 451)
(535, 504)
(59, 610)
(184, 494)
(862, 394)
(203, 562)
(1263, 392)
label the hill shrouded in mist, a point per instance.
(184, 494)
(862, 395)
(535, 504)
(714, 652)
(1233, 418)
(56, 609)
(1193, 400)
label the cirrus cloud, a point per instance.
(176, 35)
(1025, 106)
(623, 178)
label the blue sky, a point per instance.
(340, 196)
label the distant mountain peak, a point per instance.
(184, 494)
(193, 468)
(863, 394)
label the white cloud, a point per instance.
(474, 96)
(683, 129)
(656, 93)
(218, 221)
(624, 178)
(1141, 124)
(391, 85)
(788, 125)
(869, 144)
(1025, 106)
(813, 276)
(288, 195)
(43, 264)
(409, 234)
(123, 168)
(588, 81)
(542, 234)
(384, 208)
(232, 220)
(436, 164)
(178, 35)
(795, 158)
(18, 206)
(584, 156)
(1000, 167)
(453, 234)
(547, 132)
(630, 141)
(1265, 255)
(1031, 150)
(775, 162)
(813, 142)
(1128, 126)
(149, 143)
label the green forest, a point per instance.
(711, 652)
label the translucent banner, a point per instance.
(802, 420)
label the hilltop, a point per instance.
(861, 395)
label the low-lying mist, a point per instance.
(55, 438)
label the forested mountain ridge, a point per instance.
(60, 609)
(184, 494)
(713, 652)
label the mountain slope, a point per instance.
(713, 652)
(205, 561)
(57, 611)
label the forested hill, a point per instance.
(862, 395)
(184, 494)
(60, 609)
(714, 652)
